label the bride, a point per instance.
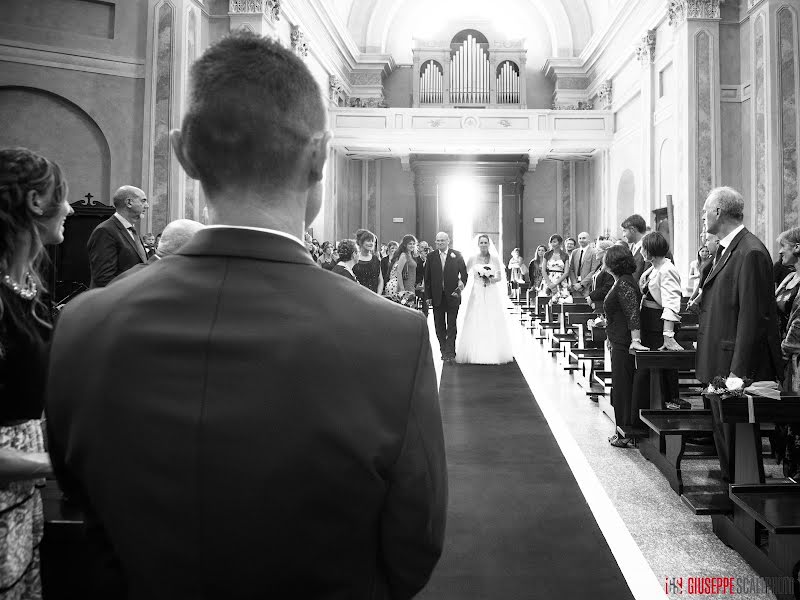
(484, 338)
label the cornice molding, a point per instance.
(331, 42)
(64, 58)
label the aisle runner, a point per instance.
(518, 526)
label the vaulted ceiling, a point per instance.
(550, 27)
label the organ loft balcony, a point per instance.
(401, 132)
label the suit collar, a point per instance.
(116, 219)
(246, 243)
(727, 255)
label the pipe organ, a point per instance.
(469, 73)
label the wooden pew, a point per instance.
(764, 522)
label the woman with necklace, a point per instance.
(347, 251)
(368, 266)
(33, 208)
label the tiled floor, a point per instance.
(630, 498)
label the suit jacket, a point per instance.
(738, 330)
(112, 251)
(253, 466)
(588, 266)
(601, 285)
(453, 267)
(641, 264)
(664, 285)
(135, 269)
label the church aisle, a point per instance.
(518, 525)
(647, 526)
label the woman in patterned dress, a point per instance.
(33, 208)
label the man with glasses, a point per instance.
(422, 257)
(261, 463)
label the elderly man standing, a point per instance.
(582, 265)
(175, 235)
(738, 333)
(115, 246)
(255, 466)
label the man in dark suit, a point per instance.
(115, 246)
(175, 235)
(422, 257)
(738, 332)
(633, 230)
(445, 278)
(254, 466)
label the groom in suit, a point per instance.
(263, 470)
(445, 278)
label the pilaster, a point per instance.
(774, 56)
(645, 52)
(697, 117)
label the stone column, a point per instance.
(774, 59)
(646, 51)
(697, 118)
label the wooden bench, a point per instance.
(665, 446)
(770, 540)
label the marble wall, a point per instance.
(760, 132)
(566, 228)
(162, 121)
(788, 98)
(705, 139)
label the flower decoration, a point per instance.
(732, 386)
(452, 255)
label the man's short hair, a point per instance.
(729, 201)
(254, 106)
(635, 221)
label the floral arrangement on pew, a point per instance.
(561, 296)
(485, 273)
(730, 387)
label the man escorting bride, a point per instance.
(485, 338)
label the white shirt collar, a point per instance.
(637, 247)
(124, 221)
(728, 239)
(288, 236)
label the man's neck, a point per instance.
(288, 219)
(725, 229)
(128, 217)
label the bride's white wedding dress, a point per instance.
(483, 334)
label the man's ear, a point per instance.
(34, 202)
(319, 154)
(176, 139)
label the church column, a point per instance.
(774, 68)
(646, 52)
(565, 193)
(370, 195)
(697, 118)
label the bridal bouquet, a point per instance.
(485, 273)
(561, 296)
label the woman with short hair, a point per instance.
(346, 250)
(33, 209)
(623, 323)
(661, 304)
